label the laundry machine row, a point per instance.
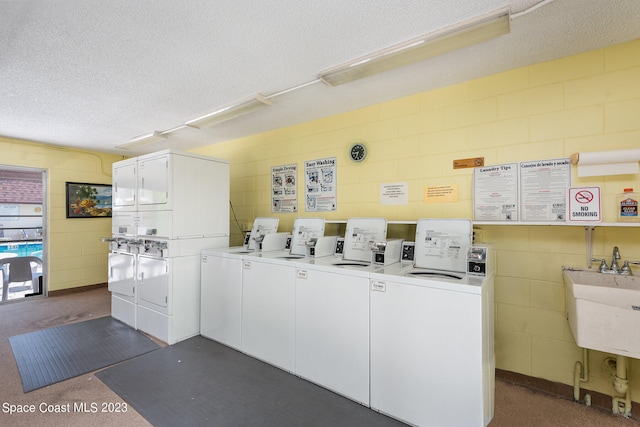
(407, 339)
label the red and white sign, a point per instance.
(584, 204)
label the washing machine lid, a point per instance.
(442, 243)
(305, 229)
(360, 235)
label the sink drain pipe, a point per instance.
(621, 405)
(581, 374)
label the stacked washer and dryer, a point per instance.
(168, 206)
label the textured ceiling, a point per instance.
(95, 73)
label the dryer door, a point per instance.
(153, 283)
(122, 274)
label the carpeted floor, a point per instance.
(91, 402)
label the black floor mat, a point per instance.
(55, 354)
(199, 382)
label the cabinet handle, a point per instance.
(141, 278)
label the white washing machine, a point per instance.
(268, 309)
(332, 326)
(431, 333)
(332, 313)
(221, 287)
(268, 298)
(221, 295)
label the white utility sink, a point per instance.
(604, 311)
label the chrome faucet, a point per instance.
(615, 268)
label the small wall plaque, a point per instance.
(468, 163)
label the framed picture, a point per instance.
(88, 200)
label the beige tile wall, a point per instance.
(587, 102)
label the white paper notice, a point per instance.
(544, 186)
(394, 193)
(495, 191)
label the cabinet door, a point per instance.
(153, 181)
(153, 283)
(124, 185)
(122, 274)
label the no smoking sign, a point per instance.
(584, 204)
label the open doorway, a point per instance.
(22, 234)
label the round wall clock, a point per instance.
(358, 152)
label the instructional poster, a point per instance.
(526, 191)
(284, 188)
(320, 185)
(543, 189)
(495, 193)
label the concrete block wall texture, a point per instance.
(587, 102)
(76, 256)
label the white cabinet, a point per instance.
(268, 312)
(221, 298)
(332, 330)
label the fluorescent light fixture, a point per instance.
(448, 39)
(138, 141)
(240, 108)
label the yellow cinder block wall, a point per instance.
(76, 257)
(587, 102)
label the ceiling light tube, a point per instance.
(138, 141)
(446, 40)
(232, 111)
